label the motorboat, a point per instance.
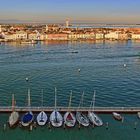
(117, 116)
(138, 115)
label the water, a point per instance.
(51, 64)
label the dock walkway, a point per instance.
(8, 109)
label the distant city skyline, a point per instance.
(77, 11)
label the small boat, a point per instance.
(138, 115)
(94, 118)
(117, 116)
(42, 116)
(28, 117)
(69, 118)
(28, 42)
(74, 51)
(56, 118)
(82, 118)
(14, 117)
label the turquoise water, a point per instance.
(51, 64)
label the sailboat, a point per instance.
(42, 116)
(27, 118)
(82, 118)
(94, 119)
(69, 118)
(56, 118)
(14, 117)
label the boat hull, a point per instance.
(69, 119)
(56, 119)
(27, 119)
(13, 119)
(42, 118)
(138, 114)
(82, 119)
(94, 119)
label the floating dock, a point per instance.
(72, 109)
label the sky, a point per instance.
(77, 11)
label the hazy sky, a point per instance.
(95, 11)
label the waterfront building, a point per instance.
(33, 36)
(57, 36)
(21, 35)
(43, 37)
(99, 36)
(114, 35)
(123, 36)
(135, 36)
(9, 36)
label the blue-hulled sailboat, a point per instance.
(27, 118)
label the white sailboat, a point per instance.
(42, 116)
(27, 118)
(82, 118)
(14, 117)
(56, 118)
(94, 119)
(69, 118)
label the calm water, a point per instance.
(49, 65)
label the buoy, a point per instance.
(124, 65)
(135, 125)
(27, 79)
(107, 124)
(4, 127)
(79, 70)
(31, 127)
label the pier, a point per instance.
(103, 110)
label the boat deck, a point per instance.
(8, 109)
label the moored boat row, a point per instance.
(56, 119)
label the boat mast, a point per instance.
(13, 102)
(42, 99)
(93, 107)
(70, 101)
(29, 99)
(81, 100)
(55, 98)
